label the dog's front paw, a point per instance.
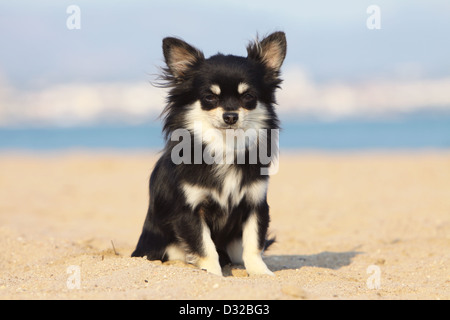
(210, 265)
(256, 266)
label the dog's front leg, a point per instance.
(195, 239)
(194, 236)
(253, 239)
(208, 258)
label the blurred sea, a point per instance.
(413, 131)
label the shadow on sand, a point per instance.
(329, 260)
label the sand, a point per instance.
(372, 225)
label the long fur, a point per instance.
(213, 214)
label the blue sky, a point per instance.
(331, 52)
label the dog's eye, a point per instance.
(210, 98)
(248, 97)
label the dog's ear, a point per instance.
(180, 56)
(271, 51)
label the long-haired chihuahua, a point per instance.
(208, 191)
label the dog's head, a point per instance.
(223, 91)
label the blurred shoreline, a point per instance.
(414, 131)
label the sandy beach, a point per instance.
(373, 225)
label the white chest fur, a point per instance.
(231, 192)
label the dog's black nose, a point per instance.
(230, 117)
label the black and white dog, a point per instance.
(204, 209)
